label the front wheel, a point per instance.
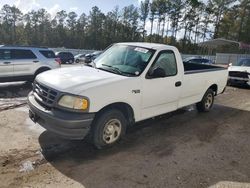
(207, 101)
(108, 128)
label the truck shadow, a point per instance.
(15, 89)
(169, 143)
(54, 147)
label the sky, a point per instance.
(78, 6)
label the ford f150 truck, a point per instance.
(128, 83)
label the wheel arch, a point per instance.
(125, 108)
(214, 87)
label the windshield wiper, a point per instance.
(117, 70)
(113, 68)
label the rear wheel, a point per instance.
(207, 101)
(108, 129)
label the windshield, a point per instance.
(124, 59)
(243, 63)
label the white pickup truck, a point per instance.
(128, 83)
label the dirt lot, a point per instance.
(181, 149)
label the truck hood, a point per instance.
(239, 68)
(76, 79)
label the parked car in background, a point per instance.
(24, 63)
(239, 73)
(130, 82)
(199, 60)
(79, 58)
(90, 57)
(66, 57)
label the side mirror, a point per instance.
(158, 73)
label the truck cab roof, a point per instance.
(154, 46)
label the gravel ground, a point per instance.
(180, 149)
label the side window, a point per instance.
(47, 53)
(166, 60)
(23, 54)
(5, 54)
(1, 54)
(195, 61)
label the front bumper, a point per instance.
(238, 80)
(70, 125)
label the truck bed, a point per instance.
(191, 68)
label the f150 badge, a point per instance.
(136, 91)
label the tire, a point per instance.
(229, 83)
(207, 101)
(71, 61)
(77, 60)
(108, 128)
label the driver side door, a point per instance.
(160, 95)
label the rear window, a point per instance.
(23, 54)
(47, 53)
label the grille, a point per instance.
(44, 95)
(238, 74)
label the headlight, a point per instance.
(74, 102)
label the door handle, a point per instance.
(35, 61)
(178, 84)
(7, 62)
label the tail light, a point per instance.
(58, 60)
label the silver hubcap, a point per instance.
(112, 131)
(209, 101)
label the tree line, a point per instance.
(183, 23)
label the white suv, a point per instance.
(19, 63)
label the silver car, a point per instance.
(80, 58)
(21, 63)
